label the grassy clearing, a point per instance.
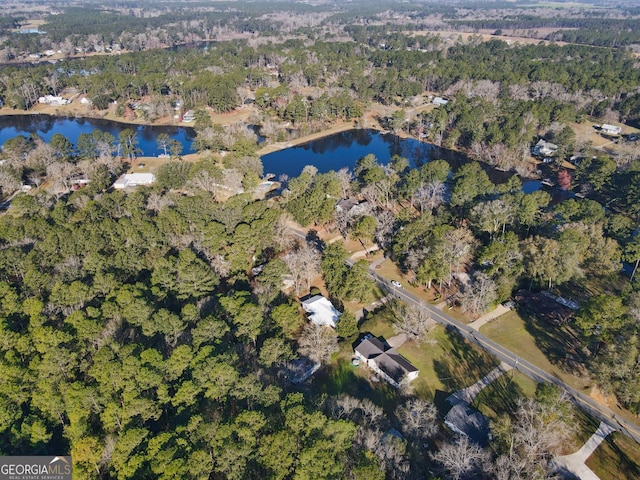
(551, 348)
(501, 396)
(617, 458)
(341, 377)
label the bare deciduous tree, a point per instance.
(371, 413)
(429, 196)
(158, 202)
(541, 430)
(304, 264)
(419, 418)
(479, 294)
(458, 248)
(537, 433)
(203, 180)
(345, 177)
(462, 459)
(413, 321)
(384, 228)
(318, 343)
(9, 180)
(60, 174)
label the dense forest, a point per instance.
(134, 338)
(152, 333)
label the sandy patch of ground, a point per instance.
(602, 398)
(274, 147)
(586, 133)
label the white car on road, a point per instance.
(396, 283)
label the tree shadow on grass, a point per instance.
(341, 378)
(464, 365)
(626, 466)
(501, 396)
(558, 344)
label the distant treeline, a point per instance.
(84, 21)
(7, 23)
(609, 32)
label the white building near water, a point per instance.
(51, 100)
(321, 311)
(134, 180)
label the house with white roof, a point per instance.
(134, 180)
(610, 129)
(52, 100)
(321, 311)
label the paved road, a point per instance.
(585, 402)
(588, 404)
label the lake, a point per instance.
(333, 152)
(344, 149)
(45, 126)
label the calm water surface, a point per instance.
(344, 149)
(45, 126)
(329, 153)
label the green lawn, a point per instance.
(501, 396)
(448, 363)
(550, 347)
(445, 360)
(617, 458)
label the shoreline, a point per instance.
(70, 113)
(342, 126)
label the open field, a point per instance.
(555, 349)
(617, 458)
(487, 35)
(543, 345)
(501, 396)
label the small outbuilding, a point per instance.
(438, 101)
(321, 311)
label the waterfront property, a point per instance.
(134, 180)
(51, 100)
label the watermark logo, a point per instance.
(35, 468)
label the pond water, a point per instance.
(328, 153)
(344, 149)
(45, 126)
